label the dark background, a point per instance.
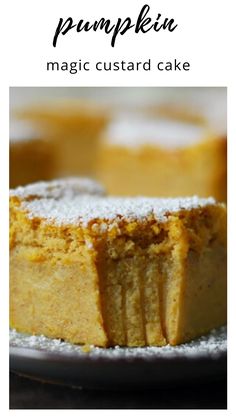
(29, 394)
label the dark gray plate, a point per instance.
(52, 360)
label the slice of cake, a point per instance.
(162, 157)
(101, 270)
(32, 157)
(74, 128)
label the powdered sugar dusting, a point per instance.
(81, 200)
(66, 188)
(136, 131)
(86, 208)
(212, 345)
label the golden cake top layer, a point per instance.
(134, 131)
(59, 189)
(81, 202)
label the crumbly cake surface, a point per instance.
(71, 201)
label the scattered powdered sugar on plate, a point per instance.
(212, 345)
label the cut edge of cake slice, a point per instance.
(138, 254)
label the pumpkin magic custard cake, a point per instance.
(108, 271)
(72, 128)
(138, 152)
